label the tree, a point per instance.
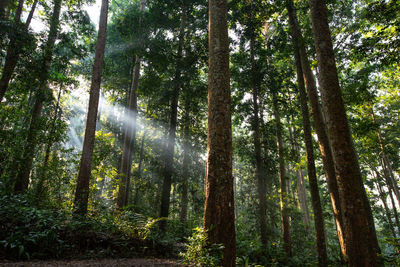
(42, 94)
(170, 147)
(361, 247)
(219, 217)
(319, 122)
(130, 130)
(14, 47)
(82, 187)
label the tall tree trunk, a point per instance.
(319, 123)
(362, 249)
(284, 194)
(42, 94)
(130, 133)
(186, 161)
(312, 175)
(85, 168)
(14, 48)
(257, 148)
(219, 212)
(169, 153)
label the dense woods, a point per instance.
(213, 133)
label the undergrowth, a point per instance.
(27, 232)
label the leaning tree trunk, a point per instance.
(82, 186)
(362, 248)
(169, 153)
(42, 94)
(284, 194)
(387, 213)
(319, 123)
(312, 175)
(130, 133)
(219, 211)
(14, 48)
(386, 164)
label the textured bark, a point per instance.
(284, 194)
(319, 123)
(361, 247)
(186, 162)
(219, 217)
(170, 148)
(14, 49)
(262, 205)
(42, 94)
(130, 133)
(82, 187)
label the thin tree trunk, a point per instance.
(130, 133)
(219, 211)
(284, 194)
(387, 166)
(42, 94)
(301, 188)
(319, 123)
(82, 187)
(362, 249)
(312, 175)
(169, 153)
(396, 217)
(14, 49)
(257, 149)
(186, 161)
(387, 213)
(43, 173)
(140, 168)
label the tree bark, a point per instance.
(169, 153)
(82, 186)
(361, 249)
(284, 194)
(219, 212)
(14, 49)
(130, 133)
(319, 123)
(42, 94)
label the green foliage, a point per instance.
(199, 252)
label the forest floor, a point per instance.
(95, 263)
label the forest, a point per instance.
(200, 133)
